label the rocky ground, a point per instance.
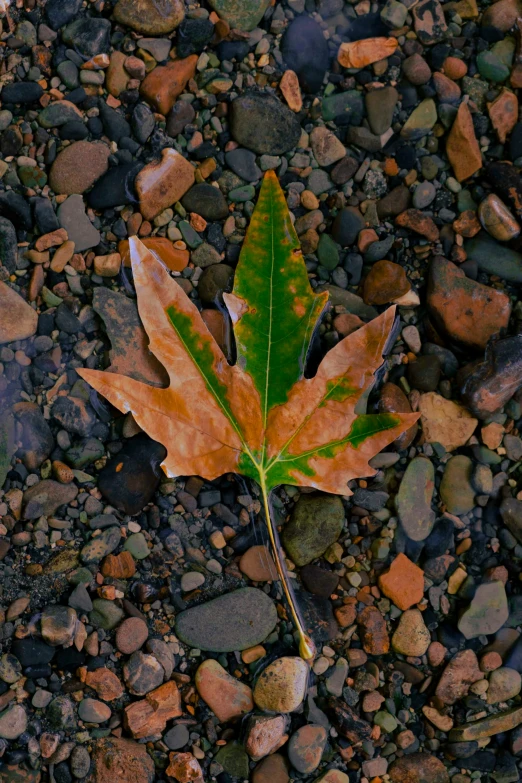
(143, 630)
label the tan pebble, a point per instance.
(289, 86)
(107, 266)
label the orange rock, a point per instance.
(217, 326)
(120, 566)
(148, 717)
(289, 86)
(467, 224)
(346, 323)
(492, 435)
(403, 583)
(345, 615)
(162, 86)
(391, 168)
(503, 113)
(174, 259)
(467, 312)
(184, 767)
(161, 183)
(385, 282)
(272, 769)
(462, 146)
(454, 67)
(373, 631)
(252, 654)
(226, 696)
(258, 564)
(105, 683)
(417, 221)
(359, 54)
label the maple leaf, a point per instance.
(261, 417)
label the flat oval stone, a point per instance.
(414, 499)
(233, 621)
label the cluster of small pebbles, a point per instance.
(144, 634)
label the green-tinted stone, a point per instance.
(477, 91)
(316, 523)
(243, 193)
(136, 544)
(386, 721)
(491, 67)
(347, 104)
(465, 201)
(105, 614)
(234, 760)
(8, 444)
(32, 176)
(327, 252)
(80, 576)
(414, 499)
(487, 612)
(241, 15)
(84, 453)
(456, 489)
(505, 50)
(190, 236)
(495, 258)
(421, 120)
(62, 561)
(101, 545)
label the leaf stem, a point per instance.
(306, 645)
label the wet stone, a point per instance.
(261, 123)
(281, 686)
(305, 748)
(487, 612)
(314, 525)
(206, 626)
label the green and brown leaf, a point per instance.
(260, 418)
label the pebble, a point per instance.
(206, 627)
(146, 17)
(487, 612)
(281, 687)
(261, 123)
(13, 722)
(496, 218)
(161, 184)
(226, 696)
(403, 582)
(94, 711)
(18, 320)
(316, 523)
(305, 748)
(78, 166)
(411, 636)
(131, 635)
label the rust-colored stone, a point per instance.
(359, 54)
(174, 259)
(226, 696)
(467, 312)
(105, 683)
(122, 760)
(419, 222)
(272, 769)
(467, 224)
(184, 767)
(418, 768)
(447, 90)
(289, 86)
(373, 631)
(345, 615)
(148, 717)
(503, 113)
(454, 67)
(120, 566)
(162, 86)
(385, 282)
(258, 564)
(462, 146)
(403, 582)
(346, 323)
(161, 183)
(458, 676)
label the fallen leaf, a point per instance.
(260, 418)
